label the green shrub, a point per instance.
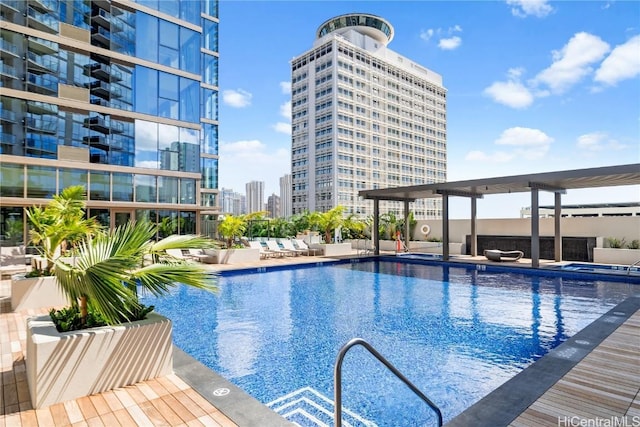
(612, 242)
(634, 244)
(69, 319)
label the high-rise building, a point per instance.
(286, 208)
(232, 202)
(273, 206)
(364, 117)
(255, 196)
(117, 96)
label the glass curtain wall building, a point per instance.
(118, 96)
(364, 117)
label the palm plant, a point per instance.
(328, 221)
(60, 224)
(232, 227)
(110, 266)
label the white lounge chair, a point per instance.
(288, 245)
(301, 244)
(498, 255)
(264, 253)
(272, 245)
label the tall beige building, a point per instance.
(363, 117)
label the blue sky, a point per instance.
(533, 86)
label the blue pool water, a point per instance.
(457, 333)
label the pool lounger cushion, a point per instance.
(498, 255)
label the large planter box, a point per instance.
(64, 366)
(333, 249)
(36, 292)
(616, 256)
(237, 256)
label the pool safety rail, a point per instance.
(337, 412)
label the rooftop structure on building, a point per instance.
(364, 117)
(117, 96)
(587, 210)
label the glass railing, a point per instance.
(44, 124)
(44, 19)
(48, 5)
(7, 115)
(7, 46)
(7, 138)
(45, 81)
(8, 70)
(13, 4)
(45, 62)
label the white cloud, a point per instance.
(150, 164)
(524, 8)
(511, 93)
(426, 34)
(572, 62)
(450, 43)
(285, 110)
(446, 38)
(524, 144)
(282, 128)
(598, 141)
(623, 63)
(236, 98)
(249, 160)
(285, 87)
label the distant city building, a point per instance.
(232, 202)
(273, 206)
(255, 196)
(587, 210)
(286, 208)
(120, 97)
(364, 117)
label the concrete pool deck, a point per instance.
(593, 376)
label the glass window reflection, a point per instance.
(146, 140)
(41, 182)
(122, 187)
(145, 186)
(12, 179)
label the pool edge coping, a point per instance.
(503, 405)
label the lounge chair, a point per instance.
(288, 245)
(301, 244)
(272, 245)
(498, 255)
(264, 253)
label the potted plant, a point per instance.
(327, 223)
(105, 338)
(617, 251)
(55, 229)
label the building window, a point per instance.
(12, 178)
(41, 182)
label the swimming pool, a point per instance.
(456, 332)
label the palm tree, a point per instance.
(60, 224)
(232, 227)
(328, 221)
(110, 266)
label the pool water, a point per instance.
(455, 332)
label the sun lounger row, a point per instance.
(271, 248)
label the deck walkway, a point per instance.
(605, 384)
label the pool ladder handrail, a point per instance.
(632, 265)
(337, 412)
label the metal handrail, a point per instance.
(337, 412)
(632, 265)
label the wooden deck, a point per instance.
(604, 386)
(166, 401)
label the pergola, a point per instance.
(556, 182)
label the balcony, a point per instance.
(41, 65)
(96, 141)
(12, 5)
(98, 124)
(42, 21)
(7, 70)
(101, 36)
(44, 84)
(42, 124)
(41, 46)
(102, 18)
(8, 49)
(102, 72)
(7, 117)
(44, 6)
(7, 138)
(99, 101)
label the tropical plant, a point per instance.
(14, 229)
(613, 242)
(231, 227)
(328, 221)
(60, 225)
(634, 244)
(109, 268)
(353, 227)
(388, 225)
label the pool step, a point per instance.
(307, 407)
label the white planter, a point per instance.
(236, 256)
(64, 366)
(616, 256)
(36, 292)
(333, 249)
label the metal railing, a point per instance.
(632, 265)
(337, 412)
